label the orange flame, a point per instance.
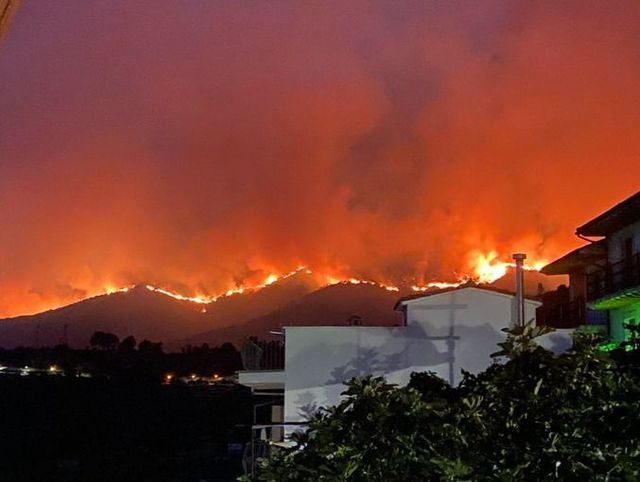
(487, 267)
(206, 299)
(110, 289)
(483, 268)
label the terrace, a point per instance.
(615, 284)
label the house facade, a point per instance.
(566, 307)
(613, 286)
(604, 275)
(443, 332)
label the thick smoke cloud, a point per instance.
(201, 145)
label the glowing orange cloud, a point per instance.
(209, 148)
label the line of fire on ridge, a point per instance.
(486, 268)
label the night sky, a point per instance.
(201, 145)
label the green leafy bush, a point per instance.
(536, 417)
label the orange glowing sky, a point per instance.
(200, 147)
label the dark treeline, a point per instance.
(125, 359)
(75, 429)
(113, 416)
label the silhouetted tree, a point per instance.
(228, 348)
(147, 347)
(128, 345)
(104, 341)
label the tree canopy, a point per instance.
(537, 416)
(104, 341)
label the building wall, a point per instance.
(466, 308)
(577, 285)
(620, 316)
(319, 359)
(616, 240)
(444, 333)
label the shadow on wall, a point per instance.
(307, 406)
(365, 362)
(323, 370)
(466, 347)
(405, 348)
(402, 349)
(328, 357)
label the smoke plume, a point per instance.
(199, 146)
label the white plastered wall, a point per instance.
(445, 333)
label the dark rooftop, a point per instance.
(621, 215)
(577, 259)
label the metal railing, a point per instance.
(262, 354)
(614, 277)
(567, 314)
(264, 438)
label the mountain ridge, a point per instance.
(143, 313)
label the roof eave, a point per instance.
(612, 219)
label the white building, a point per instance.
(444, 332)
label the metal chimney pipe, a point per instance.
(519, 258)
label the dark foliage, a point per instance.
(128, 345)
(108, 413)
(104, 341)
(536, 417)
(67, 429)
(148, 362)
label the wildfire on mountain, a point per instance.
(484, 268)
(213, 152)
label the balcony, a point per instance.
(262, 354)
(569, 314)
(263, 363)
(566, 314)
(614, 278)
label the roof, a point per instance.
(491, 289)
(621, 215)
(577, 259)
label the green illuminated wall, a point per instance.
(619, 316)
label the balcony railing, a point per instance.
(568, 314)
(262, 354)
(614, 277)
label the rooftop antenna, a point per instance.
(519, 259)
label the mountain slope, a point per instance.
(238, 308)
(147, 314)
(331, 305)
(138, 312)
(296, 300)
